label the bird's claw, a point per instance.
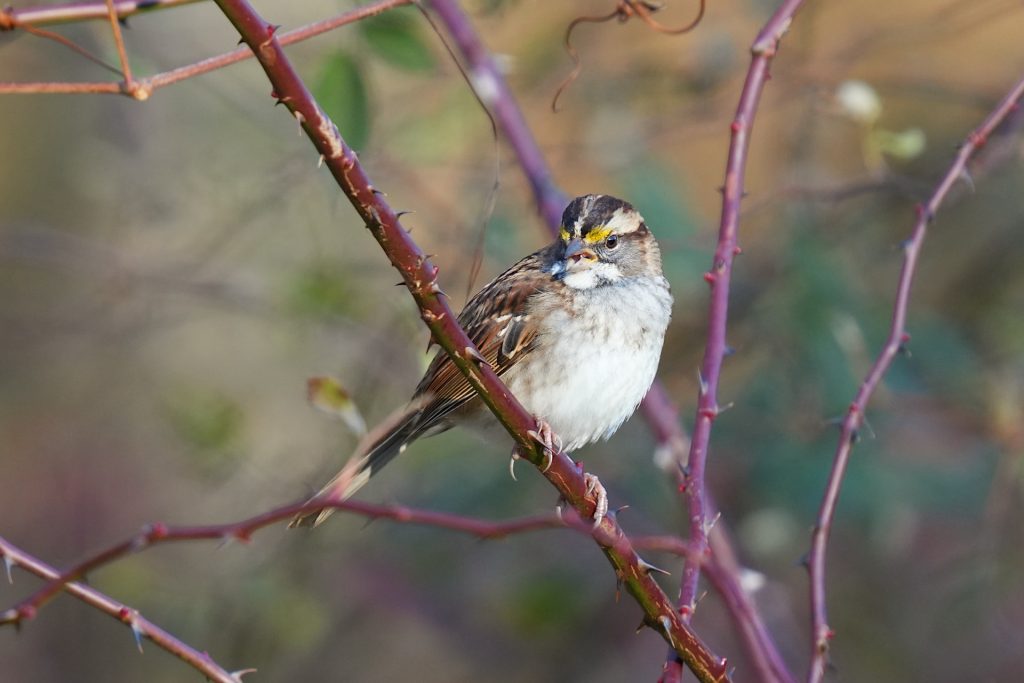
(548, 440)
(596, 488)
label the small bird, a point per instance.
(575, 331)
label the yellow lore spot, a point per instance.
(597, 235)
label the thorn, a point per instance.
(300, 118)
(320, 161)
(512, 467)
(965, 176)
(137, 632)
(130, 617)
(616, 511)
(237, 675)
(710, 524)
(867, 425)
(702, 383)
(666, 624)
(641, 627)
(648, 568)
(399, 214)
(8, 563)
(804, 561)
(474, 354)
(709, 278)
(379, 193)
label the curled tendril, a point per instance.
(624, 11)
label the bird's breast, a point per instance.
(595, 357)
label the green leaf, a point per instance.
(342, 93)
(395, 36)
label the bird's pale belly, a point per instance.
(593, 379)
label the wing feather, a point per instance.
(498, 321)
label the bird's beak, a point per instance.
(578, 254)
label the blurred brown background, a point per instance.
(172, 272)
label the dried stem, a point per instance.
(140, 626)
(661, 414)
(144, 87)
(718, 278)
(420, 276)
(821, 634)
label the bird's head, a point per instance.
(602, 241)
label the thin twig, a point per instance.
(12, 17)
(821, 633)
(144, 87)
(122, 53)
(624, 11)
(141, 627)
(420, 277)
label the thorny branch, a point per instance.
(896, 342)
(718, 278)
(141, 627)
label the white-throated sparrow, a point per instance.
(575, 331)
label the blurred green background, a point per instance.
(172, 272)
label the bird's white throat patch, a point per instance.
(590, 275)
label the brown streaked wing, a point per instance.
(496, 320)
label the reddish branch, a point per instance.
(821, 634)
(140, 626)
(141, 89)
(420, 277)
(657, 407)
(158, 533)
(718, 278)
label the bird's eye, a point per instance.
(612, 241)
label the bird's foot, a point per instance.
(596, 488)
(548, 440)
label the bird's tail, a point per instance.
(379, 448)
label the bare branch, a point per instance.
(141, 627)
(821, 634)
